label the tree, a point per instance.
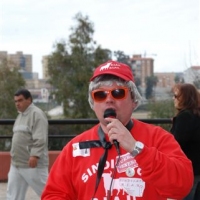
(71, 65)
(122, 57)
(151, 81)
(10, 81)
(197, 84)
(138, 83)
(196, 81)
(179, 79)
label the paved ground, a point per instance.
(31, 195)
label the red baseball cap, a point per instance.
(114, 68)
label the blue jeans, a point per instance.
(190, 196)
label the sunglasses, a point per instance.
(175, 96)
(100, 95)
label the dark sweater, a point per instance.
(186, 130)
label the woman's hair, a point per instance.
(188, 97)
(108, 80)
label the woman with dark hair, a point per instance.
(186, 126)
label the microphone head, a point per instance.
(110, 113)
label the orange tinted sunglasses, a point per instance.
(100, 95)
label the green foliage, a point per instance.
(179, 79)
(71, 65)
(151, 81)
(10, 81)
(162, 110)
(122, 57)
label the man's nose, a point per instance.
(109, 97)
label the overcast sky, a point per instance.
(166, 30)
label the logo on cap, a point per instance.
(110, 65)
(118, 69)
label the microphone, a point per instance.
(112, 114)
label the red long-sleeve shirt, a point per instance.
(160, 172)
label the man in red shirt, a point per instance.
(119, 158)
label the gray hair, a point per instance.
(108, 80)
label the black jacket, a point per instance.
(186, 130)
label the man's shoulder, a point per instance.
(35, 108)
(37, 111)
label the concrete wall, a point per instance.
(5, 163)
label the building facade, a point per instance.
(142, 67)
(23, 61)
(45, 67)
(192, 74)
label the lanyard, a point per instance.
(98, 143)
(106, 145)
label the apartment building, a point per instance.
(23, 61)
(45, 67)
(142, 67)
(165, 79)
(192, 74)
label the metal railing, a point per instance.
(78, 121)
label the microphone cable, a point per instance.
(113, 175)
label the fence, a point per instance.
(78, 121)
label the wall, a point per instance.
(5, 163)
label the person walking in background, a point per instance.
(29, 150)
(144, 163)
(186, 126)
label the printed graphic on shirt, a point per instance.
(126, 161)
(80, 152)
(131, 186)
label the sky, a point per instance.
(167, 31)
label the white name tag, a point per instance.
(80, 152)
